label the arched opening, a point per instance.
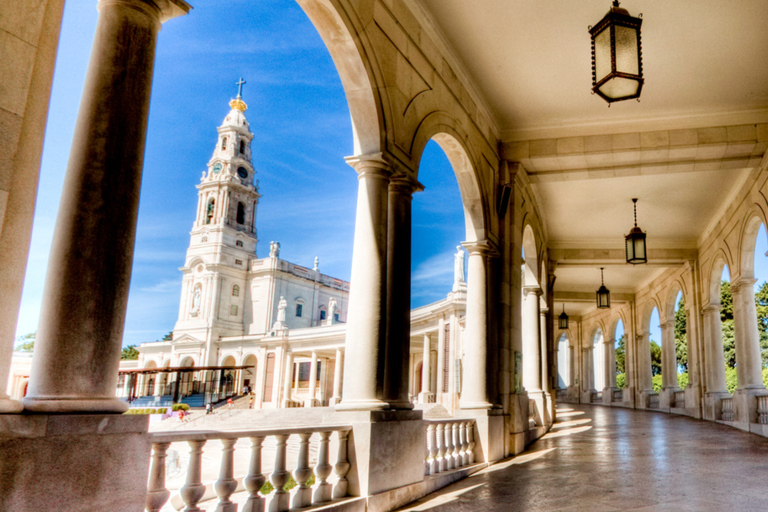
(209, 210)
(620, 351)
(761, 297)
(148, 380)
(563, 362)
(530, 311)
(655, 346)
(242, 147)
(681, 341)
(598, 360)
(250, 376)
(228, 382)
(240, 213)
(223, 143)
(185, 379)
(753, 359)
(728, 337)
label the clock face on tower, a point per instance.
(217, 168)
(242, 172)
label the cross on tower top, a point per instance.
(240, 88)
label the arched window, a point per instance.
(235, 291)
(240, 213)
(223, 143)
(242, 146)
(209, 211)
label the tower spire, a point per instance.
(238, 103)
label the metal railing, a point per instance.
(726, 408)
(762, 410)
(450, 445)
(278, 499)
(679, 399)
(653, 401)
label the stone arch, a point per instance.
(614, 323)
(252, 361)
(150, 363)
(531, 264)
(645, 324)
(671, 300)
(187, 362)
(349, 50)
(563, 347)
(748, 240)
(439, 127)
(716, 274)
(228, 360)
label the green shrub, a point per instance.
(290, 484)
(682, 380)
(657, 383)
(621, 380)
(178, 407)
(765, 377)
(731, 381)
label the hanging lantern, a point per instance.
(603, 294)
(617, 64)
(635, 243)
(563, 320)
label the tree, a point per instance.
(726, 318)
(168, 337)
(681, 340)
(655, 358)
(26, 343)
(761, 302)
(129, 353)
(621, 354)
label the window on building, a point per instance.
(238, 262)
(223, 143)
(322, 314)
(209, 211)
(336, 317)
(204, 239)
(239, 243)
(240, 213)
(242, 146)
(299, 309)
(233, 310)
(235, 291)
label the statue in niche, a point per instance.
(196, 298)
(281, 306)
(274, 249)
(458, 268)
(332, 308)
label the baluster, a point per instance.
(442, 464)
(426, 454)
(456, 445)
(463, 458)
(194, 489)
(255, 479)
(302, 494)
(323, 490)
(471, 441)
(226, 484)
(449, 460)
(434, 465)
(157, 494)
(279, 499)
(342, 466)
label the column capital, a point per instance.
(543, 311)
(404, 184)
(374, 164)
(743, 282)
(482, 247)
(164, 10)
(712, 306)
(528, 290)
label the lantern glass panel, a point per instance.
(626, 50)
(639, 248)
(619, 88)
(603, 54)
(563, 323)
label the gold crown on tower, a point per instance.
(238, 102)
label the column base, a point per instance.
(712, 409)
(467, 405)
(362, 405)
(9, 406)
(489, 434)
(400, 406)
(73, 405)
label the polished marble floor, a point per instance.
(603, 459)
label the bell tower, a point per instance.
(223, 237)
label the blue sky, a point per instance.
(299, 114)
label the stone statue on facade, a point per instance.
(280, 322)
(317, 263)
(274, 249)
(332, 308)
(196, 298)
(458, 269)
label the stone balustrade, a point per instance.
(618, 395)
(679, 399)
(596, 398)
(450, 445)
(726, 408)
(653, 401)
(762, 409)
(278, 500)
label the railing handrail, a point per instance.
(206, 435)
(448, 420)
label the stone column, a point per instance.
(398, 346)
(531, 344)
(644, 372)
(426, 373)
(288, 381)
(78, 346)
(367, 325)
(713, 350)
(545, 384)
(610, 363)
(668, 355)
(440, 367)
(474, 392)
(748, 360)
(312, 381)
(338, 375)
